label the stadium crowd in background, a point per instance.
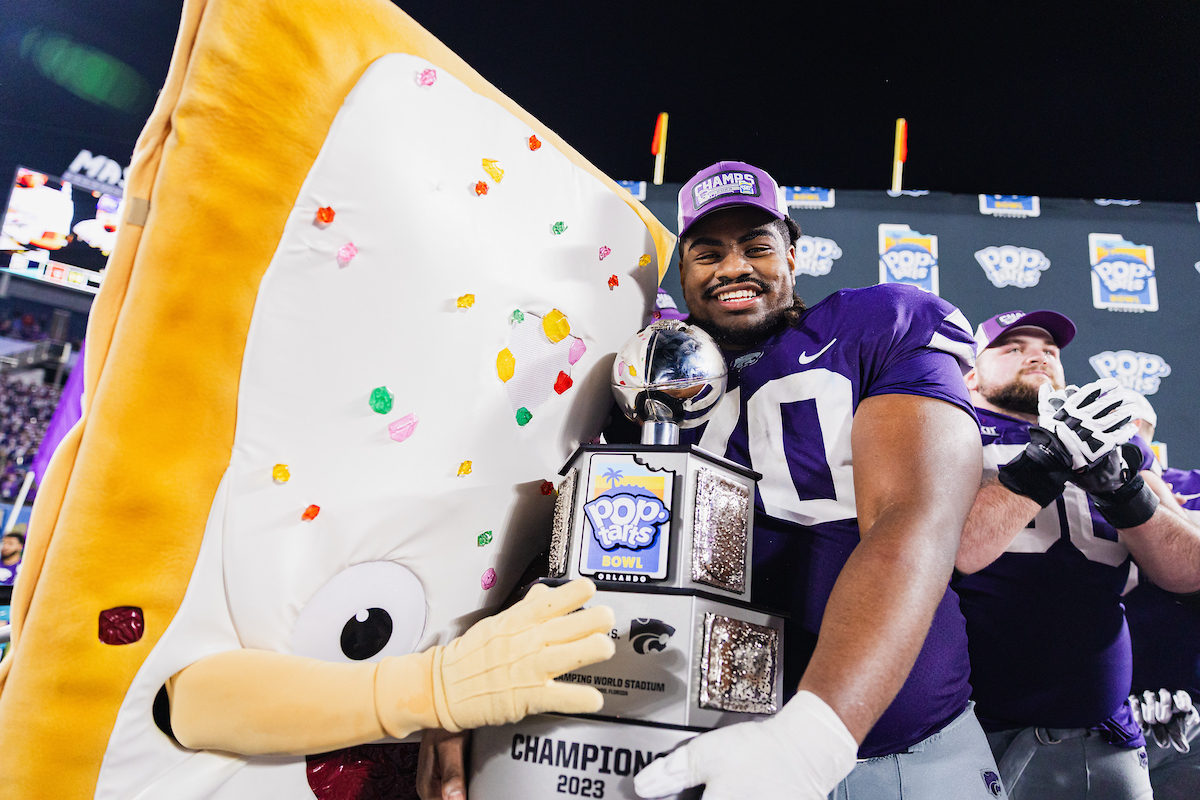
(23, 326)
(25, 410)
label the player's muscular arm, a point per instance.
(917, 465)
(1167, 546)
(996, 518)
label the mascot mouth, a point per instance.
(365, 772)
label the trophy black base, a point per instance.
(548, 757)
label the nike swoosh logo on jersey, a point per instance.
(807, 359)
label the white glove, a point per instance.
(1165, 717)
(802, 752)
(1090, 420)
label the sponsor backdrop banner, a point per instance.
(1127, 273)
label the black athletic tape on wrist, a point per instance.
(1127, 507)
(1027, 477)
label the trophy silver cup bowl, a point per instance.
(664, 530)
(667, 376)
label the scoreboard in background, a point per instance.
(57, 232)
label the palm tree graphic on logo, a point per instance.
(612, 475)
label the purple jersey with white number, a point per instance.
(1049, 644)
(787, 414)
(1166, 630)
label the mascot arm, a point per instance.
(256, 701)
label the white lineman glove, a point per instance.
(802, 752)
(1166, 717)
(1090, 420)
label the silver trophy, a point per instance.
(665, 531)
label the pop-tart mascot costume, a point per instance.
(361, 308)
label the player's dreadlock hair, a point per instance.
(789, 231)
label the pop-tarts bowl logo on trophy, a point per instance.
(1122, 274)
(722, 184)
(906, 256)
(627, 519)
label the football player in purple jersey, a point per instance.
(856, 414)
(1045, 555)
(1165, 632)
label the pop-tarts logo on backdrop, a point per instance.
(1009, 265)
(722, 184)
(627, 519)
(1019, 206)
(906, 256)
(815, 256)
(808, 197)
(1122, 273)
(1142, 372)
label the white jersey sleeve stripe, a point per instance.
(961, 347)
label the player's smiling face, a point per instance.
(736, 269)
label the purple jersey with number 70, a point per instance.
(787, 414)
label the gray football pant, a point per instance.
(1068, 764)
(1175, 775)
(952, 764)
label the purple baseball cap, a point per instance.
(1061, 329)
(728, 183)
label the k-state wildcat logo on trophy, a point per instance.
(648, 635)
(665, 530)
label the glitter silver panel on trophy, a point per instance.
(665, 531)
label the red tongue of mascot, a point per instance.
(366, 772)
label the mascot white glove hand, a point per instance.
(1090, 421)
(1166, 717)
(504, 667)
(801, 753)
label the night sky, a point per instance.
(1050, 102)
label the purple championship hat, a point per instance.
(728, 183)
(1061, 329)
